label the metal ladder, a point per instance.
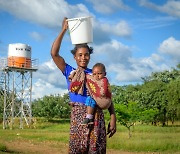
(2, 79)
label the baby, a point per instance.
(98, 88)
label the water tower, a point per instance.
(16, 85)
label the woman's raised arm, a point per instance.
(58, 60)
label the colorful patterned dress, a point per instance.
(84, 139)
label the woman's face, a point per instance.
(82, 57)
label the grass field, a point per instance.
(53, 136)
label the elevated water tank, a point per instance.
(19, 55)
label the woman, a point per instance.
(82, 138)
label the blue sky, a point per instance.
(133, 38)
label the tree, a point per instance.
(148, 115)
(127, 115)
(165, 76)
(51, 107)
(173, 97)
(124, 94)
(156, 98)
(119, 94)
(162, 90)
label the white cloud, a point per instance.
(120, 29)
(172, 7)
(108, 6)
(41, 88)
(36, 36)
(157, 57)
(112, 51)
(48, 80)
(119, 62)
(133, 69)
(137, 68)
(122, 67)
(156, 22)
(171, 48)
(122, 74)
(48, 72)
(104, 31)
(48, 13)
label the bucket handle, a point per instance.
(79, 21)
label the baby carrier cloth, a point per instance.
(99, 90)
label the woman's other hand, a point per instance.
(111, 130)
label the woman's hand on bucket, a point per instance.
(65, 24)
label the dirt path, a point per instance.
(28, 147)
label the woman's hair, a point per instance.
(90, 49)
(100, 65)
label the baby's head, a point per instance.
(99, 71)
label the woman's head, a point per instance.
(81, 54)
(77, 46)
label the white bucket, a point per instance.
(80, 30)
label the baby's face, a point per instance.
(98, 73)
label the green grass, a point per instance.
(145, 138)
(3, 147)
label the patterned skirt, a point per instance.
(85, 139)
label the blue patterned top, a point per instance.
(73, 96)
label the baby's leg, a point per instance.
(90, 103)
(89, 116)
(90, 112)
